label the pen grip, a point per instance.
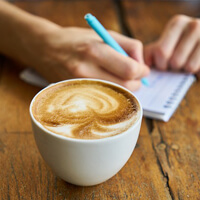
(106, 37)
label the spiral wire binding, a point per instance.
(175, 93)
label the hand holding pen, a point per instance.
(59, 53)
(109, 40)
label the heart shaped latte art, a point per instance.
(86, 109)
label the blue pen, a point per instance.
(103, 33)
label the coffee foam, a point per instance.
(85, 109)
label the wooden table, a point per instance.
(166, 161)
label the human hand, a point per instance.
(76, 52)
(59, 53)
(178, 47)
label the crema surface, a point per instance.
(85, 109)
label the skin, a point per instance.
(178, 48)
(60, 53)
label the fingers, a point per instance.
(121, 66)
(90, 57)
(185, 46)
(91, 70)
(134, 48)
(178, 47)
(193, 63)
(165, 46)
(115, 63)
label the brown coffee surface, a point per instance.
(85, 109)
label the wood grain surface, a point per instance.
(166, 161)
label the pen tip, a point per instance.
(145, 82)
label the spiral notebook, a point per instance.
(164, 93)
(159, 100)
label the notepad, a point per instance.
(159, 100)
(164, 93)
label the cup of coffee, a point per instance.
(85, 129)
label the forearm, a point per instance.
(17, 28)
(58, 53)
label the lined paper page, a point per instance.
(163, 91)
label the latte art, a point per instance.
(85, 109)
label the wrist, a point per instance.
(33, 37)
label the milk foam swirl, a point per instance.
(86, 109)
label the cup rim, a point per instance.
(58, 136)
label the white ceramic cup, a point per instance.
(85, 162)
